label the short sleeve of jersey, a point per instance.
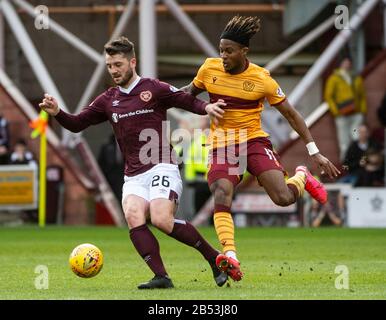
(198, 81)
(273, 92)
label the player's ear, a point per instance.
(245, 50)
(133, 62)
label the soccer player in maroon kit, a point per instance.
(136, 109)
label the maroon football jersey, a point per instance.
(137, 119)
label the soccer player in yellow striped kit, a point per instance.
(239, 136)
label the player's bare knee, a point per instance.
(222, 194)
(282, 199)
(133, 216)
(165, 224)
(162, 214)
(134, 221)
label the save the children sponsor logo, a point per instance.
(117, 116)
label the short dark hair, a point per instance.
(21, 141)
(120, 45)
(373, 150)
(344, 57)
(240, 29)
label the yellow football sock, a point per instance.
(298, 181)
(225, 230)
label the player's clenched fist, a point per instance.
(49, 105)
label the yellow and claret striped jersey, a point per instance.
(244, 94)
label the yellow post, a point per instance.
(42, 179)
(39, 125)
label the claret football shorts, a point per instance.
(256, 156)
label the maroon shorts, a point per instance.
(256, 156)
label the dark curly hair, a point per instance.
(240, 29)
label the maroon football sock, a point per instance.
(148, 248)
(184, 232)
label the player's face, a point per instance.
(233, 56)
(120, 68)
(363, 133)
(346, 64)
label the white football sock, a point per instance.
(231, 254)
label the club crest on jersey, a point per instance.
(248, 85)
(280, 92)
(115, 103)
(145, 96)
(114, 116)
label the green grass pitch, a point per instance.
(278, 263)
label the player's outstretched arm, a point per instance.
(297, 123)
(90, 115)
(172, 97)
(192, 89)
(214, 110)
